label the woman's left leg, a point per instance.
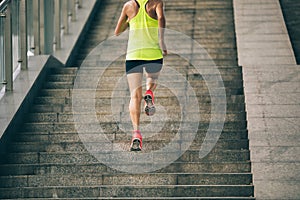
(135, 87)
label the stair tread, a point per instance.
(150, 198)
(128, 191)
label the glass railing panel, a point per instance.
(16, 47)
(31, 27)
(30, 35)
(2, 56)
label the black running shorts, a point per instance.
(137, 66)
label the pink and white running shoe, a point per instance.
(136, 141)
(149, 103)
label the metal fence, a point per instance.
(31, 27)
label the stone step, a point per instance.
(200, 15)
(194, 75)
(198, 82)
(225, 62)
(203, 59)
(171, 59)
(128, 191)
(205, 6)
(199, 19)
(67, 107)
(234, 84)
(179, 87)
(149, 144)
(104, 104)
(81, 157)
(59, 85)
(63, 70)
(126, 179)
(165, 83)
(225, 54)
(119, 107)
(220, 58)
(65, 137)
(96, 39)
(151, 198)
(187, 5)
(196, 11)
(213, 23)
(160, 93)
(121, 97)
(106, 117)
(73, 137)
(177, 63)
(61, 78)
(215, 53)
(165, 126)
(115, 70)
(176, 60)
(194, 80)
(96, 168)
(94, 42)
(106, 112)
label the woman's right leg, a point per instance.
(152, 73)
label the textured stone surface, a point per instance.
(271, 80)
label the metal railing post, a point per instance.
(42, 27)
(23, 35)
(8, 50)
(49, 26)
(57, 21)
(30, 27)
(2, 48)
(65, 13)
(73, 10)
(36, 26)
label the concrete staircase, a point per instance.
(48, 159)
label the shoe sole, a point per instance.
(149, 108)
(135, 145)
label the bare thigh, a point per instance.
(153, 76)
(135, 83)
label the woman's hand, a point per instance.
(163, 48)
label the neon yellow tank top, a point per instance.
(143, 42)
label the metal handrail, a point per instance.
(3, 4)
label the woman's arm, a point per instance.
(162, 25)
(122, 22)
